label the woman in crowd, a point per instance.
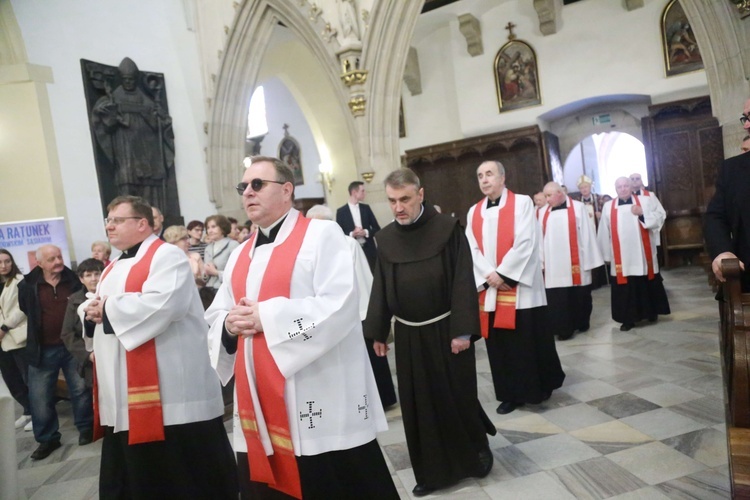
(13, 337)
(101, 250)
(179, 237)
(218, 249)
(195, 230)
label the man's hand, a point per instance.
(358, 232)
(636, 210)
(716, 265)
(458, 345)
(244, 318)
(495, 281)
(380, 348)
(95, 310)
(91, 357)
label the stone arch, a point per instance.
(247, 46)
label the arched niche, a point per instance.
(308, 67)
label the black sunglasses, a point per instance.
(744, 119)
(255, 184)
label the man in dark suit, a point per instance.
(358, 221)
(727, 219)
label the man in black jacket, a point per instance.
(358, 221)
(43, 297)
(727, 219)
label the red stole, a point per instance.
(575, 257)
(645, 241)
(279, 470)
(645, 192)
(505, 306)
(144, 399)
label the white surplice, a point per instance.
(169, 310)
(330, 393)
(556, 252)
(660, 212)
(522, 263)
(363, 274)
(628, 227)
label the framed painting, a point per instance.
(681, 51)
(289, 153)
(516, 76)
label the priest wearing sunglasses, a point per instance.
(285, 323)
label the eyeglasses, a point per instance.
(744, 119)
(118, 220)
(255, 184)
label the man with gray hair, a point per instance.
(423, 278)
(504, 239)
(43, 297)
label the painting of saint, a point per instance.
(289, 152)
(681, 51)
(516, 76)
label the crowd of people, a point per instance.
(300, 314)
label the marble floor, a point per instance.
(640, 416)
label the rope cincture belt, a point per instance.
(423, 323)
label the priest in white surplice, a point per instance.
(569, 253)
(625, 237)
(504, 238)
(156, 396)
(637, 187)
(286, 323)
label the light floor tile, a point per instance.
(597, 478)
(556, 451)
(662, 423)
(590, 390)
(649, 493)
(667, 394)
(655, 463)
(540, 486)
(611, 437)
(576, 416)
(708, 446)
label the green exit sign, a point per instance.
(602, 119)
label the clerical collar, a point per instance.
(495, 203)
(270, 229)
(268, 235)
(561, 206)
(586, 200)
(620, 201)
(421, 211)
(637, 192)
(130, 252)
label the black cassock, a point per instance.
(423, 271)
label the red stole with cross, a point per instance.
(617, 250)
(575, 256)
(145, 416)
(279, 470)
(505, 307)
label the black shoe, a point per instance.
(652, 319)
(421, 490)
(546, 395)
(626, 327)
(584, 328)
(507, 407)
(485, 463)
(44, 450)
(86, 437)
(563, 338)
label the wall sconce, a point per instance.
(326, 175)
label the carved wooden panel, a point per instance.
(448, 170)
(684, 150)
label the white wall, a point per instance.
(600, 49)
(154, 34)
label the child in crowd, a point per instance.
(89, 271)
(101, 250)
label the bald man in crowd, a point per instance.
(569, 253)
(43, 297)
(625, 239)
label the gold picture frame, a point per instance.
(516, 76)
(681, 52)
